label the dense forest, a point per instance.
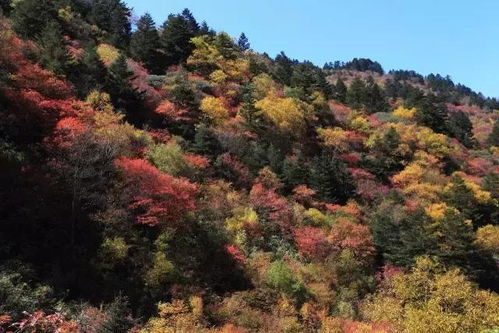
(168, 178)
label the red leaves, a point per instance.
(158, 198)
(352, 236)
(277, 208)
(312, 243)
(235, 253)
(40, 322)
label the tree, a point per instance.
(340, 91)
(374, 99)
(90, 74)
(493, 138)
(432, 299)
(112, 16)
(460, 127)
(31, 16)
(158, 199)
(175, 39)
(144, 44)
(5, 7)
(330, 179)
(191, 21)
(53, 54)
(243, 42)
(123, 96)
(356, 93)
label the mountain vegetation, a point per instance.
(165, 177)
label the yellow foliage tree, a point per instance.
(429, 299)
(335, 138)
(405, 113)
(288, 114)
(214, 108)
(487, 238)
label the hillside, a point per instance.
(171, 179)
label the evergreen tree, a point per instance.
(340, 91)
(432, 112)
(294, 172)
(123, 96)
(5, 7)
(90, 74)
(30, 17)
(283, 69)
(460, 127)
(226, 46)
(206, 30)
(374, 98)
(401, 239)
(53, 54)
(493, 138)
(243, 42)
(191, 21)
(175, 39)
(330, 179)
(356, 93)
(114, 17)
(144, 44)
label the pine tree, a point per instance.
(175, 39)
(90, 74)
(493, 138)
(144, 44)
(191, 21)
(123, 96)
(460, 127)
(356, 93)
(114, 17)
(340, 91)
(30, 17)
(243, 42)
(5, 7)
(331, 179)
(53, 54)
(374, 98)
(283, 69)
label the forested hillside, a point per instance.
(168, 178)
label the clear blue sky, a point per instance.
(455, 37)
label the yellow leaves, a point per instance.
(107, 53)
(487, 238)
(483, 197)
(317, 217)
(428, 300)
(242, 217)
(433, 143)
(115, 248)
(360, 123)
(335, 138)
(218, 76)
(263, 85)
(412, 173)
(288, 114)
(422, 182)
(437, 211)
(160, 271)
(405, 113)
(214, 108)
(423, 138)
(207, 57)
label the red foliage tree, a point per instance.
(312, 242)
(269, 202)
(158, 198)
(347, 235)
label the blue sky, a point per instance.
(455, 37)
